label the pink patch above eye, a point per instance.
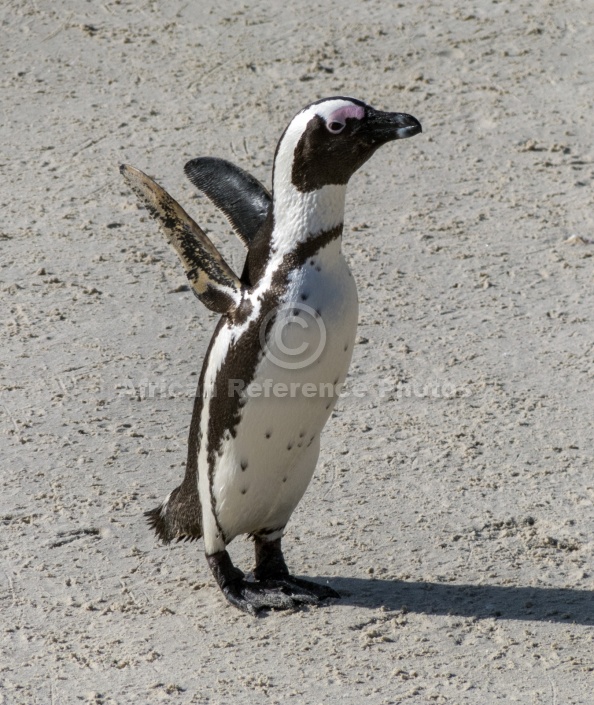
(349, 111)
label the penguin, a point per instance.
(282, 346)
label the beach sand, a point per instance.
(452, 506)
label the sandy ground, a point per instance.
(453, 502)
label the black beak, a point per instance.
(384, 127)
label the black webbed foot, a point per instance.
(273, 588)
(250, 597)
(271, 567)
(253, 597)
(308, 587)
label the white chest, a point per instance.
(308, 340)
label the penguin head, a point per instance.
(330, 139)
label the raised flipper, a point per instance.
(239, 195)
(211, 278)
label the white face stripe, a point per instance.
(297, 214)
(328, 107)
(286, 150)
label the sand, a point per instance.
(452, 506)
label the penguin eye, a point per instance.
(335, 127)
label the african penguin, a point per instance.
(282, 347)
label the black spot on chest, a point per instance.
(243, 357)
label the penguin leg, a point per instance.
(271, 571)
(247, 596)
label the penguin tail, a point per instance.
(177, 518)
(211, 278)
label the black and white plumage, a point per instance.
(251, 455)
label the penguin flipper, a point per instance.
(211, 278)
(242, 198)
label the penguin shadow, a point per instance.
(563, 605)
